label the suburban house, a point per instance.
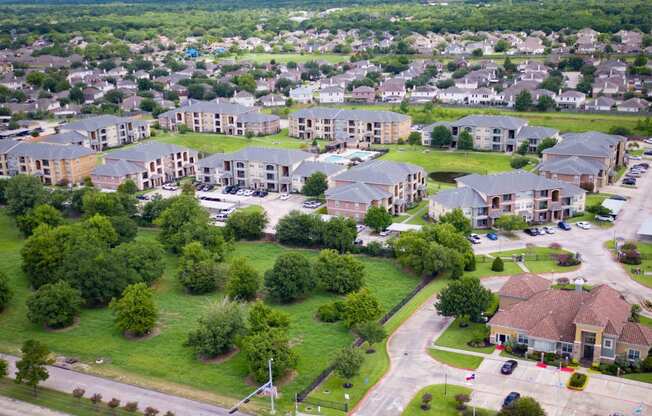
(107, 131)
(589, 159)
(244, 98)
(331, 95)
(147, 164)
(395, 186)
(302, 95)
(363, 94)
(392, 90)
(570, 99)
(253, 168)
(356, 127)
(588, 326)
(495, 133)
(54, 164)
(224, 118)
(484, 198)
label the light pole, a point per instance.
(271, 385)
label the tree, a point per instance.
(523, 148)
(274, 344)
(107, 204)
(338, 273)
(546, 103)
(544, 144)
(218, 329)
(464, 298)
(635, 313)
(300, 229)
(510, 223)
(198, 271)
(4, 369)
(414, 138)
(347, 364)
(55, 305)
(31, 368)
(248, 225)
(377, 218)
(78, 392)
(125, 228)
(135, 312)
(371, 332)
(440, 136)
(113, 404)
(315, 185)
(244, 281)
(24, 192)
(145, 258)
(361, 306)
(128, 187)
(524, 406)
(5, 291)
(41, 214)
(339, 233)
(291, 278)
(457, 219)
(497, 265)
(465, 141)
(262, 318)
(523, 101)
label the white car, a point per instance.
(169, 187)
(360, 228)
(284, 197)
(248, 192)
(584, 225)
(474, 238)
(384, 233)
(241, 192)
(605, 218)
(548, 230)
(648, 141)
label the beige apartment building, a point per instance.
(107, 131)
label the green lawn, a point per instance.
(299, 58)
(483, 268)
(646, 265)
(542, 263)
(458, 337)
(162, 362)
(217, 143)
(454, 359)
(643, 377)
(441, 405)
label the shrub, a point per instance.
(567, 260)
(563, 281)
(519, 162)
(630, 257)
(497, 265)
(629, 245)
(577, 380)
(646, 365)
(78, 392)
(219, 327)
(331, 312)
(425, 401)
(361, 306)
(131, 406)
(55, 305)
(555, 246)
(244, 281)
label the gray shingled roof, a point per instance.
(590, 143)
(49, 151)
(213, 161)
(66, 137)
(504, 122)
(254, 117)
(381, 172)
(571, 166)
(464, 197)
(145, 151)
(536, 132)
(356, 192)
(94, 123)
(117, 168)
(265, 154)
(362, 115)
(511, 182)
(210, 107)
(308, 167)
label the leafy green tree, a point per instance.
(154, 208)
(247, 225)
(510, 223)
(125, 228)
(361, 306)
(464, 298)
(524, 406)
(300, 229)
(377, 218)
(315, 185)
(100, 227)
(635, 313)
(41, 214)
(128, 187)
(244, 281)
(31, 368)
(339, 233)
(414, 138)
(338, 273)
(465, 141)
(5, 291)
(523, 148)
(546, 103)
(371, 332)
(457, 219)
(55, 305)
(24, 192)
(219, 327)
(544, 144)
(523, 101)
(274, 344)
(262, 318)
(497, 265)
(4, 369)
(104, 203)
(198, 271)
(145, 258)
(347, 364)
(291, 278)
(440, 136)
(135, 312)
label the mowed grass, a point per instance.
(219, 143)
(454, 359)
(162, 361)
(483, 268)
(646, 267)
(443, 402)
(299, 58)
(457, 337)
(538, 259)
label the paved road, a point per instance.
(11, 407)
(67, 380)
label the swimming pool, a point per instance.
(337, 159)
(360, 154)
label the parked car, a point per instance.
(358, 242)
(227, 189)
(241, 192)
(492, 236)
(234, 190)
(564, 226)
(648, 153)
(511, 398)
(474, 239)
(648, 140)
(509, 367)
(629, 181)
(584, 225)
(618, 197)
(604, 218)
(261, 193)
(548, 230)
(248, 192)
(532, 231)
(169, 187)
(284, 197)
(635, 157)
(142, 197)
(360, 228)
(384, 233)
(311, 204)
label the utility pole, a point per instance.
(271, 385)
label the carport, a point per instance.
(645, 230)
(399, 227)
(216, 206)
(614, 205)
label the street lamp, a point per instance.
(269, 386)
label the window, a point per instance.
(608, 343)
(566, 348)
(633, 355)
(522, 339)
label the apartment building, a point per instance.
(54, 164)
(484, 198)
(359, 128)
(589, 160)
(395, 186)
(253, 168)
(495, 133)
(147, 164)
(107, 131)
(223, 118)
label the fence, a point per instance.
(302, 396)
(344, 407)
(513, 258)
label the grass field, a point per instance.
(646, 266)
(443, 402)
(458, 337)
(483, 268)
(300, 58)
(219, 143)
(542, 263)
(162, 361)
(454, 359)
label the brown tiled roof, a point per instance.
(603, 304)
(523, 286)
(638, 334)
